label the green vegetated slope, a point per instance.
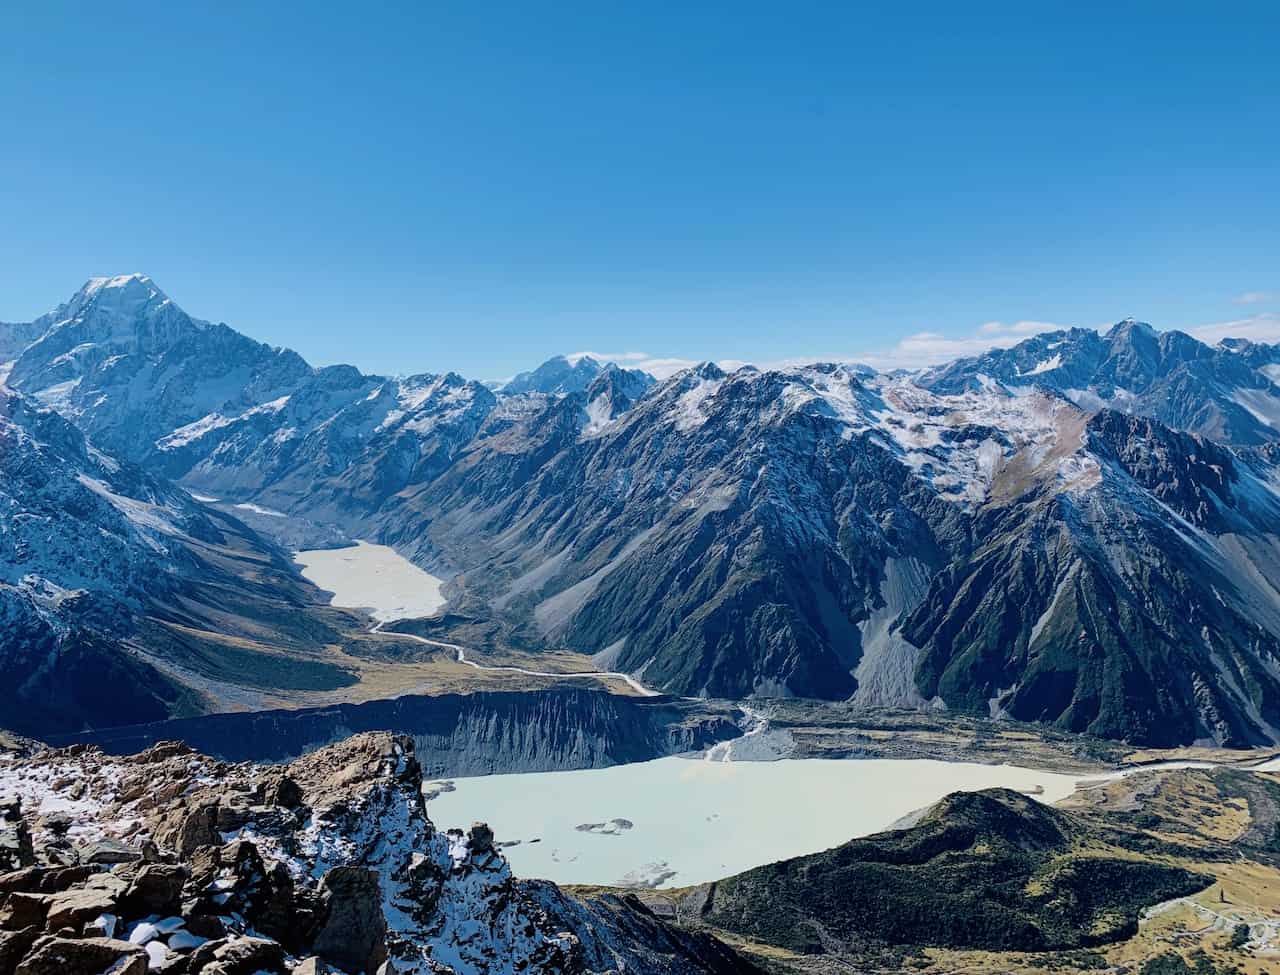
(992, 870)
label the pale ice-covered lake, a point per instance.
(673, 821)
(373, 577)
(695, 821)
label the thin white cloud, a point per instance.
(1255, 297)
(925, 349)
(1021, 329)
(658, 366)
(1264, 327)
(913, 352)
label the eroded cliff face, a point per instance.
(458, 734)
(178, 862)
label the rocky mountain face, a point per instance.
(711, 564)
(1079, 530)
(1132, 601)
(129, 366)
(119, 593)
(1225, 392)
(14, 337)
(169, 861)
(558, 375)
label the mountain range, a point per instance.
(1080, 530)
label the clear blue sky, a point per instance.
(476, 185)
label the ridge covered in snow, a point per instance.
(808, 530)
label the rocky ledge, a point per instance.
(169, 861)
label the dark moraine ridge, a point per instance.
(455, 734)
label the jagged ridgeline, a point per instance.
(170, 861)
(1080, 530)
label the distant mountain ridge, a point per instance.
(1082, 529)
(1226, 392)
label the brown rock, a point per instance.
(157, 889)
(102, 926)
(15, 844)
(161, 751)
(198, 829)
(312, 966)
(21, 910)
(64, 878)
(83, 956)
(28, 879)
(108, 852)
(354, 934)
(208, 926)
(237, 956)
(59, 824)
(100, 894)
(287, 793)
(275, 911)
(14, 946)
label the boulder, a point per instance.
(198, 828)
(161, 751)
(64, 878)
(20, 910)
(14, 946)
(480, 838)
(108, 852)
(312, 966)
(286, 793)
(100, 894)
(353, 936)
(237, 956)
(276, 910)
(15, 837)
(102, 926)
(157, 889)
(28, 879)
(207, 926)
(59, 824)
(46, 880)
(83, 956)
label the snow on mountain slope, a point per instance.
(810, 530)
(612, 393)
(723, 537)
(95, 552)
(130, 367)
(1139, 603)
(1221, 391)
(561, 375)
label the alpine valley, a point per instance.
(256, 616)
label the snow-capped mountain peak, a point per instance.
(122, 299)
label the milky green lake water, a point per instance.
(696, 821)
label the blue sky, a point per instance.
(476, 186)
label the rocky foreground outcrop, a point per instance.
(169, 861)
